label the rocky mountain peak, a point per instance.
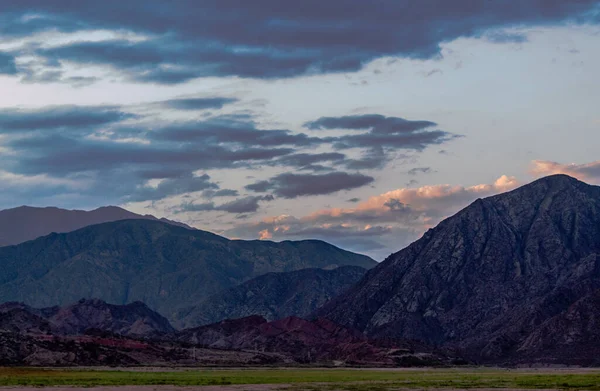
(484, 278)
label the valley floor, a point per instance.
(294, 379)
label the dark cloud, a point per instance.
(308, 160)
(296, 185)
(377, 132)
(248, 204)
(220, 193)
(162, 173)
(7, 64)
(118, 157)
(198, 103)
(376, 123)
(373, 158)
(396, 205)
(59, 117)
(173, 186)
(353, 200)
(86, 155)
(232, 129)
(420, 170)
(259, 187)
(268, 39)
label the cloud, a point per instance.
(308, 160)
(586, 172)
(220, 193)
(130, 157)
(231, 129)
(376, 123)
(259, 187)
(198, 103)
(379, 137)
(7, 64)
(187, 183)
(265, 39)
(378, 131)
(296, 185)
(248, 204)
(380, 224)
(375, 157)
(420, 170)
(77, 118)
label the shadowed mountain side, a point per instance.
(273, 296)
(165, 266)
(310, 341)
(486, 279)
(134, 319)
(92, 332)
(25, 223)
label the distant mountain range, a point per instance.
(165, 266)
(25, 223)
(511, 278)
(273, 296)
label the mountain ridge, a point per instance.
(485, 278)
(24, 223)
(273, 296)
(165, 266)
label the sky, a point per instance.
(359, 123)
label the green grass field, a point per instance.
(310, 379)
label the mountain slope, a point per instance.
(134, 319)
(486, 278)
(165, 266)
(273, 296)
(25, 223)
(306, 341)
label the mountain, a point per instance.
(25, 223)
(92, 332)
(273, 296)
(19, 320)
(573, 335)
(497, 280)
(306, 341)
(165, 266)
(134, 319)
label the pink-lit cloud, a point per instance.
(382, 223)
(588, 172)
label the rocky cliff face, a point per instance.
(25, 223)
(164, 266)
(488, 278)
(273, 296)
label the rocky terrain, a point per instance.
(25, 223)
(133, 320)
(273, 296)
(310, 341)
(165, 266)
(109, 350)
(92, 332)
(511, 277)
